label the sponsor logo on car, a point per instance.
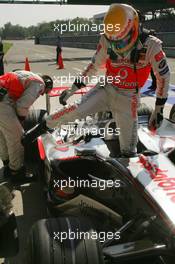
(64, 111)
(161, 177)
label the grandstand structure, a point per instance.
(144, 5)
(163, 25)
(153, 20)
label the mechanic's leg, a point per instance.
(124, 104)
(15, 148)
(94, 101)
(4, 155)
(3, 149)
(16, 171)
(12, 131)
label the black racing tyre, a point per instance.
(172, 114)
(34, 117)
(43, 248)
(144, 110)
(31, 151)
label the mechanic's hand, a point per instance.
(64, 97)
(31, 135)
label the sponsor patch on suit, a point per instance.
(159, 56)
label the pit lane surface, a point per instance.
(29, 203)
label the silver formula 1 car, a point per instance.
(104, 208)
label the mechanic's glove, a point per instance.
(78, 84)
(33, 133)
(157, 115)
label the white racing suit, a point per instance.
(23, 88)
(121, 92)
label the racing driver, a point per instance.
(128, 54)
(18, 91)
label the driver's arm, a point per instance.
(161, 70)
(98, 60)
(160, 67)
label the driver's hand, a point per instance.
(64, 97)
(157, 115)
(156, 118)
(68, 93)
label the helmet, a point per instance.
(48, 82)
(121, 24)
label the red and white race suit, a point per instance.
(121, 92)
(23, 88)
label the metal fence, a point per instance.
(90, 42)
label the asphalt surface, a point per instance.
(29, 203)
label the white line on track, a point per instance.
(85, 62)
(77, 69)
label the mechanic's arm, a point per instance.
(29, 96)
(98, 60)
(161, 70)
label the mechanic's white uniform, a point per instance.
(120, 95)
(23, 89)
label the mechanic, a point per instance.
(128, 54)
(58, 52)
(18, 91)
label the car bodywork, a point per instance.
(146, 196)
